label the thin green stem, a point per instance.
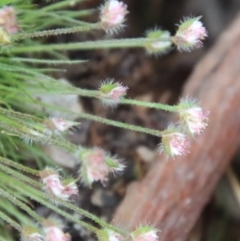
(29, 193)
(100, 44)
(21, 205)
(58, 5)
(153, 105)
(18, 166)
(72, 148)
(57, 31)
(34, 133)
(47, 61)
(120, 124)
(91, 216)
(14, 224)
(95, 94)
(20, 176)
(65, 203)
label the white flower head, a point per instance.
(174, 142)
(57, 188)
(97, 165)
(190, 34)
(112, 15)
(57, 124)
(53, 232)
(111, 92)
(192, 116)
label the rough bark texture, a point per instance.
(174, 192)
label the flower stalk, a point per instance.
(57, 31)
(98, 44)
(6, 218)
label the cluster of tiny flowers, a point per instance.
(112, 15)
(111, 92)
(190, 34)
(53, 231)
(59, 125)
(57, 188)
(97, 165)
(193, 120)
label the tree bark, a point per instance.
(174, 192)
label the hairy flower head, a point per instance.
(111, 92)
(97, 165)
(112, 15)
(174, 142)
(190, 34)
(192, 116)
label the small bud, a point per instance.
(8, 20)
(192, 116)
(109, 235)
(53, 232)
(70, 187)
(5, 38)
(145, 233)
(160, 43)
(31, 233)
(58, 124)
(111, 93)
(112, 16)
(174, 143)
(97, 165)
(190, 34)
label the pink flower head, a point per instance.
(53, 232)
(111, 93)
(8, 20)
(145, 233)
(70, 188)
(96, 166)
(52, 183)
(174, 143)
(59, 124)
(31, 233)
(55, 187)
(195, 119)
(190, 34)
(112, 15)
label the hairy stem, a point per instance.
(21, 205)
(100, 44)
(58, 31)
(6, 218)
